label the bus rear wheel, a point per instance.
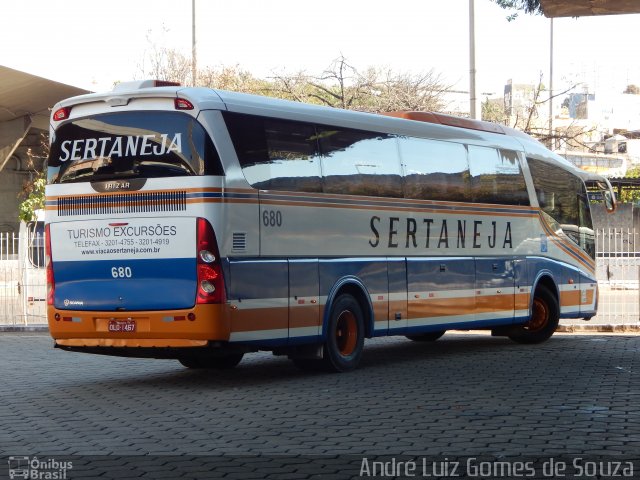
(212, 362)
(427, 337)
(344, 342)
(545, 316)
(345, 335)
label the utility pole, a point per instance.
(474, 107)
(193, 43)
(551, 141)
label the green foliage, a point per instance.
(529, 6)
(631, 195)
(493, 111)
(35, 199)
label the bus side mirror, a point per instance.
(610, 203)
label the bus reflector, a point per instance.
(210, 279)
(62, 114)
(182, 104)
(51, 284)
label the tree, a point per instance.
(375, 89)
(632, 89)
(33, 190)
(630, 195)
(525, 117)
(167, 64)
(529, 6)
(493, 111)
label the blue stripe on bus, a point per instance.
(282, 341)
(473, 324)
(154, 284)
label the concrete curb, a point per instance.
(599, 328)
(24, 328)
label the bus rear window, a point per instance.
(131, 145)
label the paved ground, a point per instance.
(466, 394)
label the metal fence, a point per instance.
(618, 274)
(23, 280)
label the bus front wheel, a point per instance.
(545, 315)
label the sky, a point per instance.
(94, 43)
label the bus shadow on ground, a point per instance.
(380, 356)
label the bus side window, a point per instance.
(293, 158)
(356, 162)
(276, 154)
(496, 176)
(434, 170)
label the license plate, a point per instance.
(122, 326)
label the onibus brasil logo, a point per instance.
(36, 469)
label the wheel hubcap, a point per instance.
(539, 317)
(346, 333)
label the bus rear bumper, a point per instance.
(154, 348)
(191, 328)
(130, 342)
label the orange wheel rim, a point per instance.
(539, 316)
(346, 333)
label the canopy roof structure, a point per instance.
(580, 8)
(25, 101)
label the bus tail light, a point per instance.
(48, 263)
(209, 269)
(62, 114)
(182, 104)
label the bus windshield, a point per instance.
(131, 145)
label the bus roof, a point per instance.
(419, 124)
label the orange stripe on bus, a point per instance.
(570, 298)
(494, 303)
(387, 208)
(440, 307)
(400, 201)
(522, 301)
(257, 319)
(304, 316)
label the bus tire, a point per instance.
(212, 362)
(545, 315)
(427, 337)
(344, 343)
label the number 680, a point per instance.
(121, 272)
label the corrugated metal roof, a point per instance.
(25, 94)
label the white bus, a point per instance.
(202, 225)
